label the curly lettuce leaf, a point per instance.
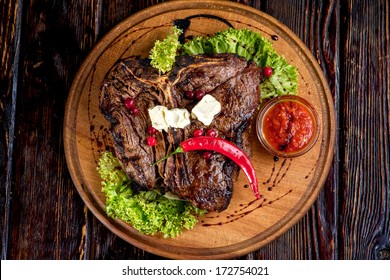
(149, 212)
(284, 78)
(252, 46)
(163, 53)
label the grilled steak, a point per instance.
(230, 79)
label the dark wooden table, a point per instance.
(42, 45)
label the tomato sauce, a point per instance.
(288, 126)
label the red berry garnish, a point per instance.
(151, 141)
(129, 103)
(152, 130)
(211, 133)
(207, 155)
(198, 133)
(199, 94)
(134, 111)
(190, 94)
(267, 72)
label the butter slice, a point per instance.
(177, 118)
(157, 117)
(206, 109)
(162, 118)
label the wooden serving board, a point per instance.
(289, 186)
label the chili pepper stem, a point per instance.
(177, 151)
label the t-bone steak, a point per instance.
(206, 183)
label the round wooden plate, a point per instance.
(289, 186)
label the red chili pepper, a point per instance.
(223, 147)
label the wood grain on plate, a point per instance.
(289, 186)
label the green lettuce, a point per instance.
(252, 46)
(164, 52)
(149, 212)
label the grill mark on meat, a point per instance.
(230, 79)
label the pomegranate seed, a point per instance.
(207, 155)
(267, 72)
(190, 94)
(134, 111)
(151, 141)
(152, 130)
(129, 103)
(199, 94)
(198, 132)
(211, 133)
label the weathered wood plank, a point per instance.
(365, 212)
(47, 215)
(10, 21)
